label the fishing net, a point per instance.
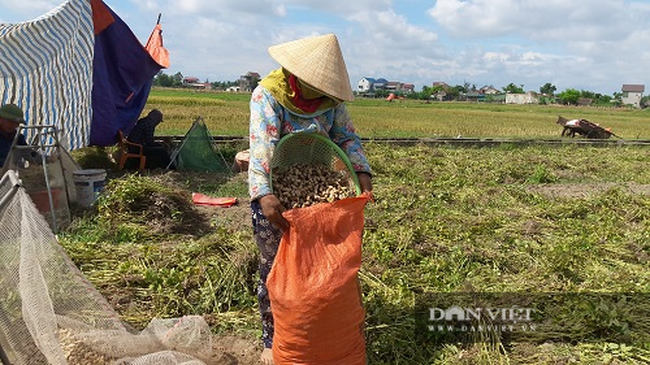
(50, 313)
(305, 150)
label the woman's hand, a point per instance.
(272, 209)
(365, 180)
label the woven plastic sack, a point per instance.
(313, 287)
(312, 149)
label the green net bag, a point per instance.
(198, 153)
(308, 168)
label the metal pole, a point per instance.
(3, 357)
(42, 135)
(42, 140)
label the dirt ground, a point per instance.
(231, 350)
(237, 217)
(227, 349)
(585, 190)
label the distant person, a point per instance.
(11, 117)
(143, 133)
(573, 123)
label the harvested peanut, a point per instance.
(78, 353)
(299, 186)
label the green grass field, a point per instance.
(227, 114)
(521, 219)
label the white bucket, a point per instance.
(88, 184)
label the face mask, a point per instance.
(309, 92)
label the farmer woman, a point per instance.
(11, 117)
(305, 95)
(143, 133)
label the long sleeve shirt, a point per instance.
(143, 132)
(6, 141)
(270, 121)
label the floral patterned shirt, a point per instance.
(269, 122)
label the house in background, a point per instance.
(393, 86)
(632, 94)
(188, 80)
(440, 89)
(489, 90)
(474, 96)
(584, 101)
(487, 94)
(380, 84)
(526, 98)
(365, 85)
(194, 82)
(249, 81)
(368, 86)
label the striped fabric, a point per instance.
(46, 67)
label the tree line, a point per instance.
(176, 81)
(547, 92)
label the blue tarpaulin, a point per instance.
(79, 68)
(123, 73)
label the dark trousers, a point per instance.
(268, 238)
(157, 157)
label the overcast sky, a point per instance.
(594, 45)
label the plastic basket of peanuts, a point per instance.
(308, 169)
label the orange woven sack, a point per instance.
(313, 286)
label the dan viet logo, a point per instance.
(500, 319)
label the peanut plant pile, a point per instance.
(302, 185)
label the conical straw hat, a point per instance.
(318, 61)
(12, 112)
